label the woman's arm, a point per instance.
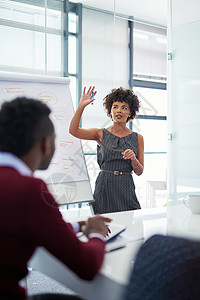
(74, 129)
(137, 162)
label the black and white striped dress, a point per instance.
(115, 192)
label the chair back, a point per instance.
(166, 268)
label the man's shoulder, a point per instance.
(33, 181)
(23, 180)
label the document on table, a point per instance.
(120, 242)
(117, 238)
(115, 229)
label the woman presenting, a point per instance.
(120, 151)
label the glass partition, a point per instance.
(184, 104)
(106, 59)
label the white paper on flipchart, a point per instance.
(68, 164)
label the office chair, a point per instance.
(166, 268)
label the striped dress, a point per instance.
(115, 192)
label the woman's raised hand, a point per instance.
(87, 97)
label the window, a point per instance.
(31, 37)
(39, 37)
(75, 50)
(149, 83)
(149, 53)
(146, 70)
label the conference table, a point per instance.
(112, 280)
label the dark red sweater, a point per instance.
(29, 217)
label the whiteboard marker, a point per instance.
(92, 97)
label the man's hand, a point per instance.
(96, 224)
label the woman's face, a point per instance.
(120, 111)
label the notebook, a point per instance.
(115, 229)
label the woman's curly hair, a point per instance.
(122, 95)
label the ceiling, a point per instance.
(151, 11)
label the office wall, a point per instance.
(184, 99)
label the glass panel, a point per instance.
(23, 46)
(154, 133)
(155, 167)
(106, 5)
(184, 108)
(72, 54)
(72, 22)
(54, 53)
(89, 146)
(32, 13)
(151, 187)
(29, 48)
(73, 90)
(93, 169)
(152, 101)
(24, 13)
(105, 58)
(54, 19)
(150, 51)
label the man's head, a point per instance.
(25, 123)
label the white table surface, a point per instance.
(182, 223)
(111, 282)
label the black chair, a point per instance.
(166, 268)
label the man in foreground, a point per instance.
(29, 215)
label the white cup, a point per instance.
(193, 203)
